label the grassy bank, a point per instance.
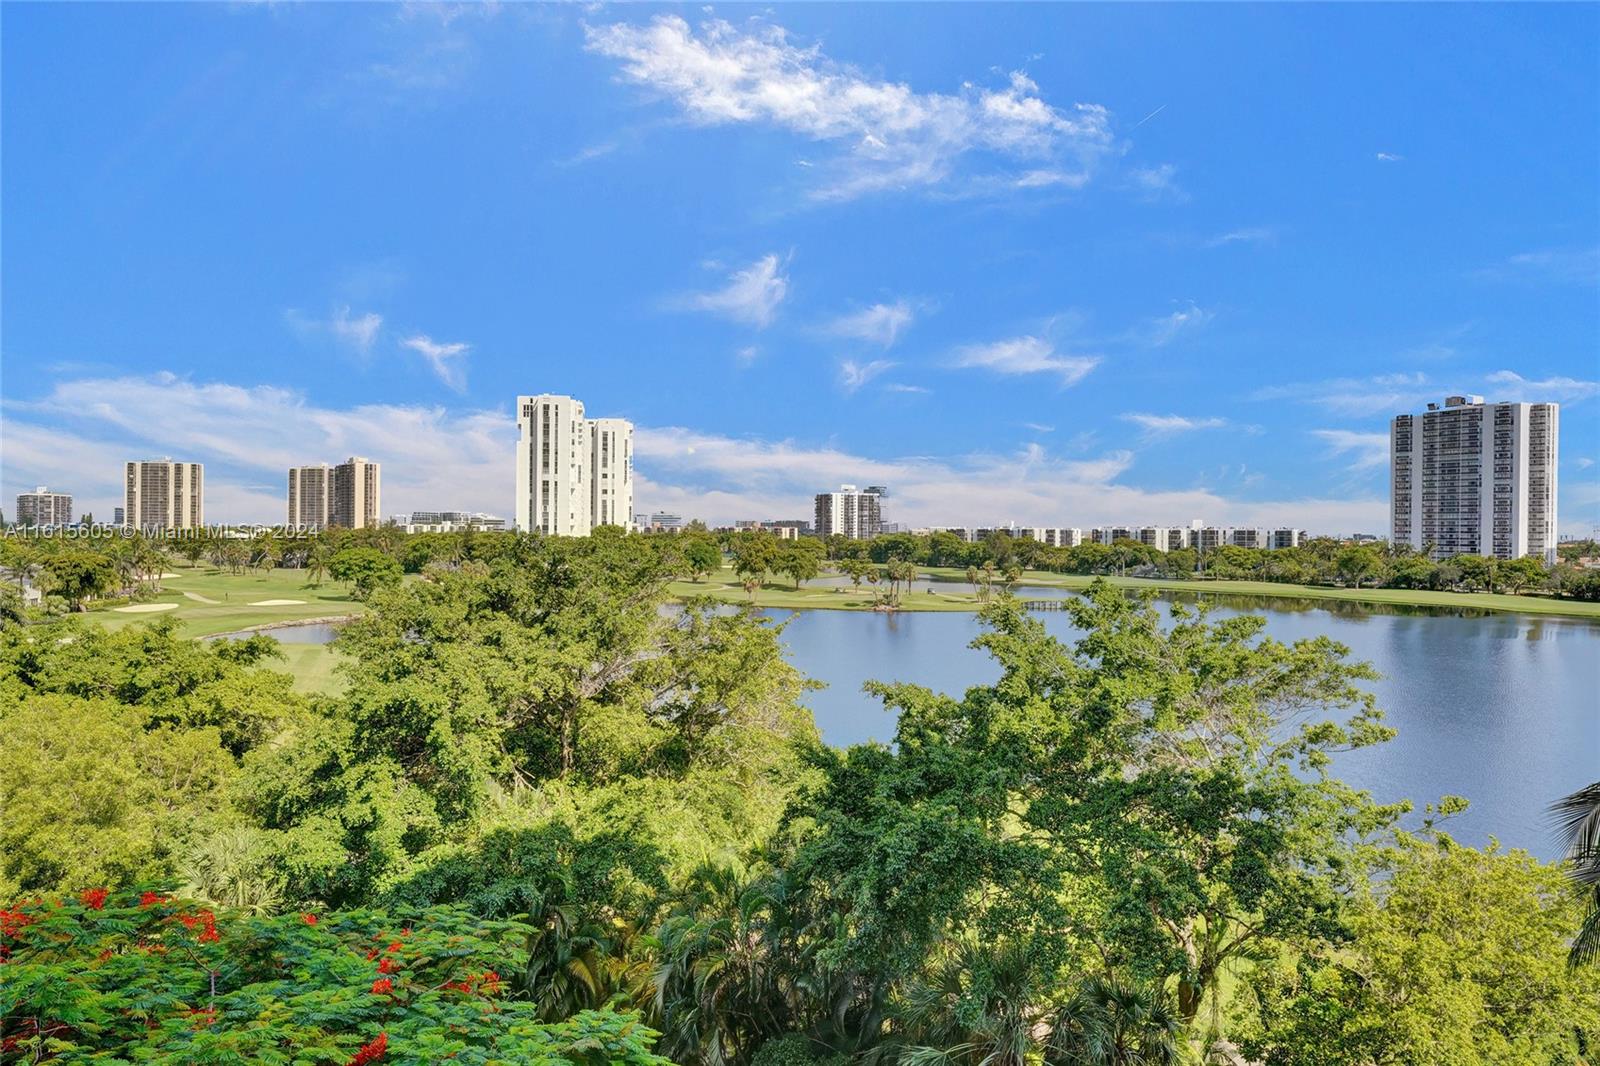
(778, 594)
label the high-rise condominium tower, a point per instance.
(573, 473)
(1471, 478)
(345, 495)
(858, 515)
(611, 471)
(159, 494)
(41, 507)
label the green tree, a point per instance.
(1578, 820)
(702, 555)
(365, 569)
(1457, 955)
(1522, 573)
(78, 575)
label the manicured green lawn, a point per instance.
(312, 666)
(778, 593)
(235, 601)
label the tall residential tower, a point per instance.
(857, 515)
(41, 507)
(347, 495)
(159, 494)
(1471, 478)
(573, 473)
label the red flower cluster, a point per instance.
(486, 983)
(202, 1016)
(382, 986)
(309, 919)
(11, 926)
(93, 898)
(208, 923)
(151, 899)
(388, 965)
(371, 1051)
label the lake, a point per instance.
(1502, 709)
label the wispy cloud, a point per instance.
(1161, 427)
(1391, 393)
(1390, 157)
(1563, 265)
(853, 375)
(1512, 386)
(751, 296)
(1247, 235)
(1157, 183)
(747, 355)
(248, 436)
(887, 134)
(1026, 355)
(879, 324)
(352, 330)
(448, 360)
(1167, 328)
(1365, 450)
(898, 386)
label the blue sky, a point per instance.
(1047, 264)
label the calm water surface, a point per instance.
(1501, 709)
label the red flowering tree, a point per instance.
(145, 977)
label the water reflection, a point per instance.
(1503, 709)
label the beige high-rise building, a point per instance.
(1471, 478)
(573, 472)
(41, 507)
(347, 495)
(354, 499)
(159, 494)
(310, 496)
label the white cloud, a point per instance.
(1382, 394)
(1248, 235)
(1513, 387)
(747, 354)
(446, 359)
(721, 478)
(78, 436)
(1158, 182)
(888, 135)
(1184, 320)
(880, 324)
(896, 386)
(1389, 157)
(352, 330)
(853, 375)
(1564, 265)
(82, 432)
(1365, 450)
(1584, 462)
(1160, 427)
(752, 295)
(1026, 355)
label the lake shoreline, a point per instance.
(841, 598)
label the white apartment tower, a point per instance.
(41, 507)
(573, 473)
(347, 495)
(855, 514)
(159, 494)
(1471, 478)
(610, 471)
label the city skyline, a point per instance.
(1125, 280)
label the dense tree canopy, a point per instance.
(603, 816)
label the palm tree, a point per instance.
(1577, 820)
(1107, 1023)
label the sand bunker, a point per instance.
(199, 598)
(146, 608)
(277, 603)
